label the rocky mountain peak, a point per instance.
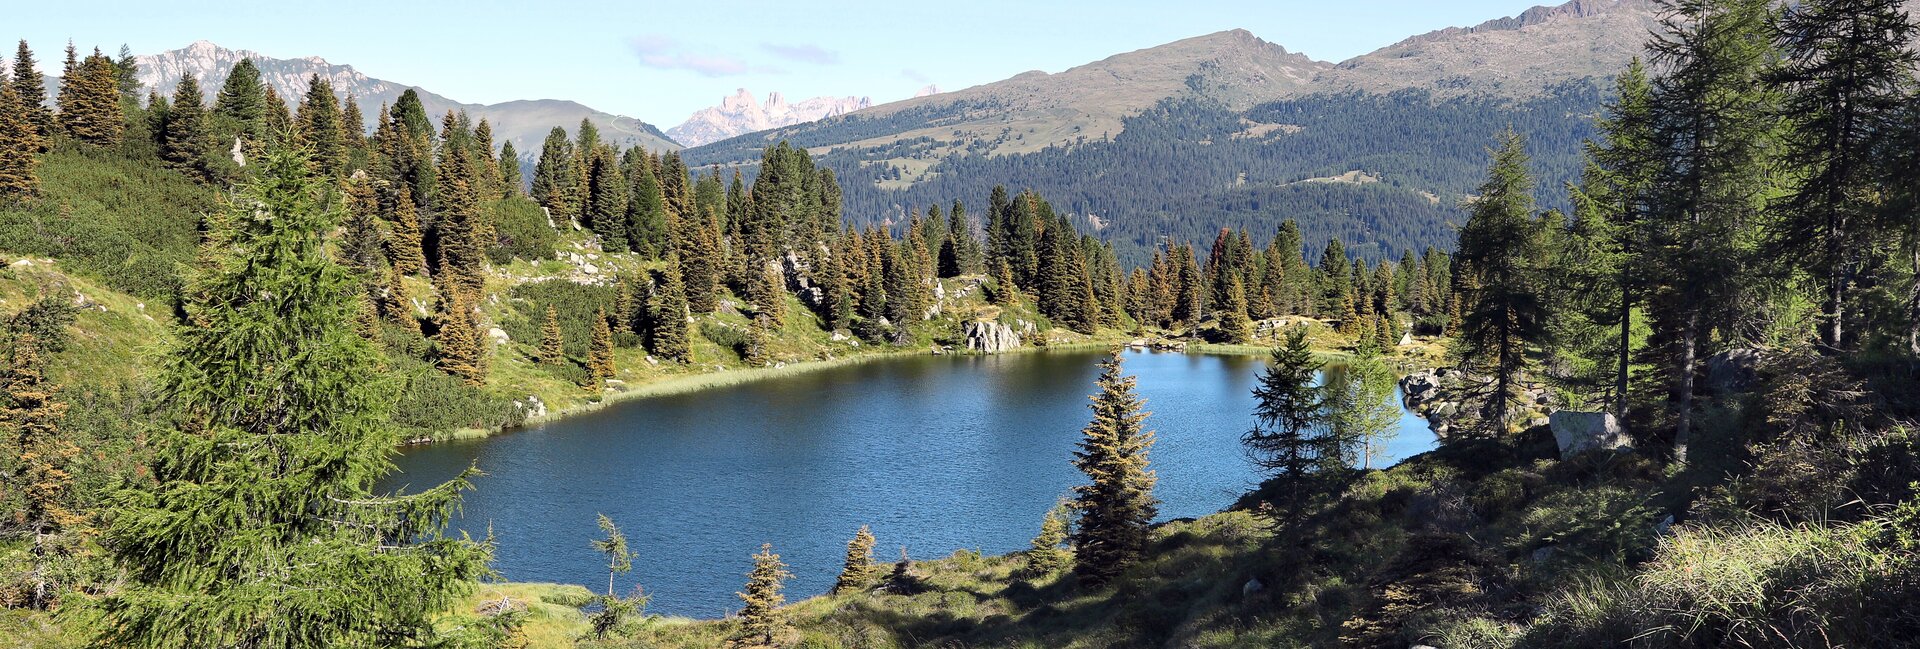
(741, 113)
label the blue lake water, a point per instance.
(934, 453)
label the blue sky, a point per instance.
(660, 61)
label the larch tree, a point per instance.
(1713, 127)
(1845, 68)
(760, 620)
(1117, 505)
(859, 570)
(261, 527)
(1288, 436)
(1503, 305)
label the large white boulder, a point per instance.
(1579, 432)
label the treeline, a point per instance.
(1190, 166)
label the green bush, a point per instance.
(431, 403)
(128, 222)
(520, 231)
(1601, 523)
(734, 339)
(574, 304)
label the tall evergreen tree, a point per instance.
(553, 176)
(1117, 505)
(1234, 324)
(667, 315)
(404, 244)
(605, 209)
(600, 351)
(1046, 557)
(1713, 125)
(510, 180)
(646, 218)
(30, 86)
(552, 345)
(19, 143)
(1289, 414)
(90, 108)
(44, 469)
(242, 100)
(1500, 249)
(184, 142)
(1845, 67)
(318, 126)
(262, 528)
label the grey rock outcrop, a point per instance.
(1579, 432)
(989, 337)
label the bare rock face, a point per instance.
(741, 114)
(989, 337)
(1579, 432)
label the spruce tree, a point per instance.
(318, 126)
(242, 100)
(90, 109)
(510, 181)
(261, 527)
(185, 143)
(1117, 505)
(859, 570)
(1046, 556)
(646, 207)
(462, 231)
(19, 144)
(1234, 324)
(30, 87)
(404, 245)
(459, 350)
(761, 621)
(600, 352)
(552, 345)
(605, 209)
(30, 421)
(554, 186)
(872, 324)
(1500, 249)
(394, 304)
(667, 314)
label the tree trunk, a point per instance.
(1626, 352)
(1689, 346)
(1913, 306)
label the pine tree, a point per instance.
(552, 346)
(261, 527)
(318, 126)
(278, 118)
(30, 87)
(605, 211)
(184, 142)
(667, 314)
(553, 176)
(243, 101)
(1046, 556)
(31, 422)
(767, 291)
(600, 353)
(353, 133)
(1499, 248)
(872, 325)
(126, 76)
(361, 241)
(1289, 413)
(90, 102)
(463, 233)
(859, 570)
(19, 142)
(1118, 504)
(1005, 293)
(760, 620)
(646, 207)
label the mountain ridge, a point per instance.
(523, 122)
(740, 113)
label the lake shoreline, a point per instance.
(730, 376)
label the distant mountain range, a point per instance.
(525, 123)
(741, 114)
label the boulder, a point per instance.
(1579, 432)
(1732, 370)
(989, 337)
(498, 336)
(1252, 586)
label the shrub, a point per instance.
(128, 222)
(520, 230)
(574, 304)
